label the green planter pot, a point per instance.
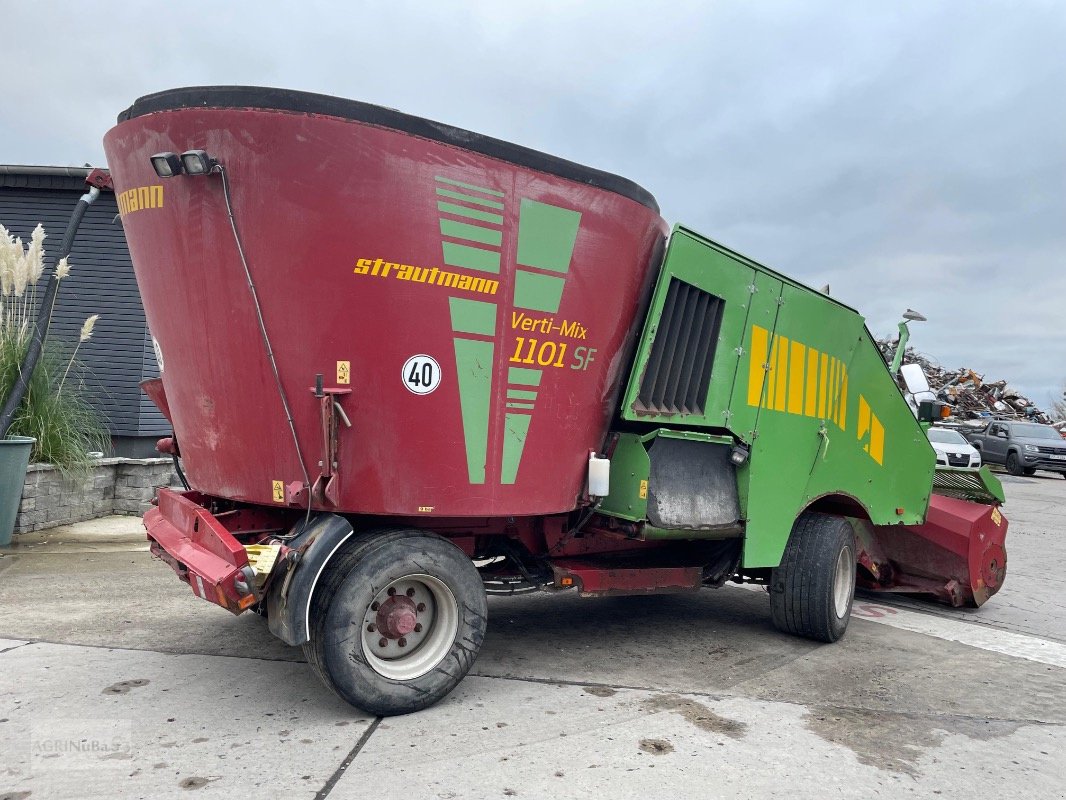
(14, 458)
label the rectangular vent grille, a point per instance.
(682, 353)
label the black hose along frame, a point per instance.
(97, 180)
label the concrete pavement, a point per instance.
(115, 681)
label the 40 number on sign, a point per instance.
(421, 374)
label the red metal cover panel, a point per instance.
(478, 310)
(959, 554)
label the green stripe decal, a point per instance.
(473, 213)
(537, 292)
(442, 179)
(473, 316)
(523, 376)
(473, 366)
(520, 394)
(525, 406)
(481, 201)
(459, 255)
(515, 430)
(546, 235)
(474, 233)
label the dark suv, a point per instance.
(1022, 447)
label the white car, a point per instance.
(952, 449)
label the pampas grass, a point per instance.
(65, 426)
(85, 335)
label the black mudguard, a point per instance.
(288, 601)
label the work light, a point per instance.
(166, 165)
(197, 162)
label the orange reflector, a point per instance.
(899, 512)
(566, 581)
(244, 602)
(945, 411)
(222, 599)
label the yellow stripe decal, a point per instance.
(842, 418)
(771, 374)
(756, 365)
(877, 440)
(795, 377)
(789, 376)
(812, 382)
(821, 392)
(782, 375)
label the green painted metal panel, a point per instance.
(630, 475)
(965, 484)
(466, 198)
(764, 306)
(689, 436)
(472, 213)
(797, 376)
(519, 394)
(461, 255)
(524, 376)
(689, 258)
(630, 466)
(650, 532)
(516, 428)
(461, 184)
(546, 235)
(473, 360)
(472, 316)
(472, 233)
(830, 421)
(537, 292)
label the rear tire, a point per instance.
(375, 591)
(1014, 466)
(1030, 470)
(811, 592)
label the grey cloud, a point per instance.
(908, 153)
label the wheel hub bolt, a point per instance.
(370, 628)
(411, 592)
(375, 606)
(402, 642)
(383, 642)
(420, 607)
(396, 617)
(392, 591)
(418, 627)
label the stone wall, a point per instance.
(114, 486)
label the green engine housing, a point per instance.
(735, 354)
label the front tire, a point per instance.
(1030, 470)
(1014, 466)
(397, 621)
(812, 590)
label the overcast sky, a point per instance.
(910, 154)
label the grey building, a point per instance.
(119, 355)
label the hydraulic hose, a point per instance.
(44, 316)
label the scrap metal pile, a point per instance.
(967, 392)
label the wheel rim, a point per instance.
(843, 582)
(409, 627)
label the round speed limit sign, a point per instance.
(421, 374)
